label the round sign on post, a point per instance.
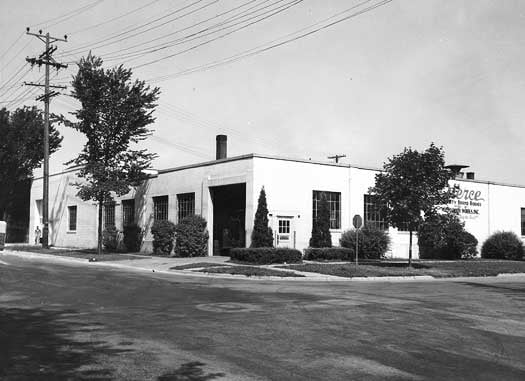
(358, 222)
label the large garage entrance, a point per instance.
(229, 209)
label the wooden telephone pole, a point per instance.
(47, 60)
(336, 157)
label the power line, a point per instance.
(11, 46)
(273, 44)
(68, 15)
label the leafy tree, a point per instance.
(321, 236)
(262, 235)
(114, 115)
(21, 149)
(413, 184)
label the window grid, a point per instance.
(72, 217)
(109, 214)
(522, 221)
(334, 203)
(284, 226)
(186, 205)
(128, 212)
(374, 213)
(160, 208)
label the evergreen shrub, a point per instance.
(373, 242)
(328, 253)
(262, 235)
(265, 255)
(321, 236)
(110, 239)
(132, 238)
(503, 245)
(443, 236)
(191, 237)
(163, 237)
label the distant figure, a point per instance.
(38, 233)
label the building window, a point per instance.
(186, 205)
(109, 214)
(334, 203)
(374, 213)
(72, 217)
(39, 211)
(160, 208)
(284, 226)
(522, 221)
(128, 212)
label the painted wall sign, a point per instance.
(468, 201)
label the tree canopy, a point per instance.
(21, 149)
(413, 185)
(114, 116)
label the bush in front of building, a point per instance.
(373, 242)
(132, 238)
(262, 235)
(191, 237)
(265, 255)
(321, 236)
(328, 254)
(163, 237)
(110, 239)
(443, 236)
(503, 245)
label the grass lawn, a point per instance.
(75, 253)
(249, 271)
(435, 269)
(197, 265)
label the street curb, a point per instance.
(306, 278)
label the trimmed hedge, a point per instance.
(503, 245)
(132, 238)
(191, 237)
(373, 242)
(110, 239)
(163, 236)
(265, 255)
(443, 236)
(328, 253)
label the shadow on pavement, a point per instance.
(39, 344)
(191, 371)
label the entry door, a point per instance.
(285, 232)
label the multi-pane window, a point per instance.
(72, 211)
(284, 226)
(128, 212)
(109, 214)
(522, 221)
(374, 213)
(186, 205)
(334, 203)
(160, 208)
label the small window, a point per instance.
(334, 203)
(72, 218)
(522, 221)
(109, 214)
(284, 226)
(39, 211)
(186, 205)
(128, 212)
(160, 208)
(374, 213)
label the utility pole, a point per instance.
(46, 59)
(336, 157)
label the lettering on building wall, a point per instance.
(467, 202)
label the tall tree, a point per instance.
(321, 236)
(413, 185)
(114, 115)
(21, 149)
(262, 235)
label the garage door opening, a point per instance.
(229, 210)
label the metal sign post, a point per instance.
(358, 222)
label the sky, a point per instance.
(404, 74)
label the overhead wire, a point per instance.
(68, 15)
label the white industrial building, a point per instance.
(225, 193)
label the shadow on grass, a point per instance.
(38, 344)
(191, 371)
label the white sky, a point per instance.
(405, 74)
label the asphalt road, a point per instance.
(69, 322)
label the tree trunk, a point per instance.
(410, 250)
(100, 206)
